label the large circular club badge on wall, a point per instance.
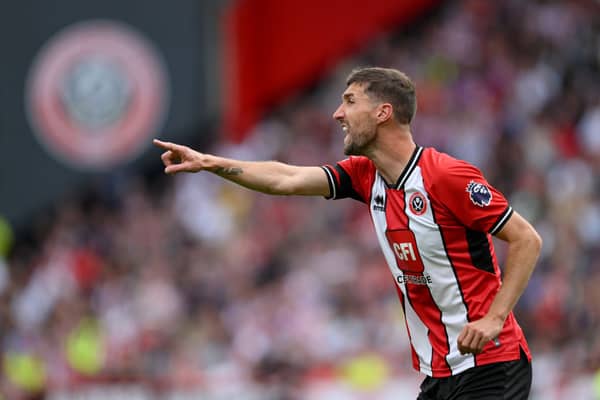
(96, 93)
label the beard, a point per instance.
(358, 143)
(353, 149)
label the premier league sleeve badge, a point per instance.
(479, 194)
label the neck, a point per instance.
(392, 152)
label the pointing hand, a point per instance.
(178, 158)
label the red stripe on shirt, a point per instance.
(418, 295)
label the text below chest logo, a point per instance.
(479, 194)
(417, 203)
(379, 203)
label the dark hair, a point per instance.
(390, 86)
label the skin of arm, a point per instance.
(270, 177)
(524, 246)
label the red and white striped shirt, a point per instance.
(434, 226)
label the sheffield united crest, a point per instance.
(95, 94)
(417, 203)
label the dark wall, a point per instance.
(184, 33)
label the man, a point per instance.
(434, 217)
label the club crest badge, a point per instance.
(95, 94)
(479, 194)
(417, 203)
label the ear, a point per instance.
(384, 112)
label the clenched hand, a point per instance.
(475, 335)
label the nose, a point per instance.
(339, 113)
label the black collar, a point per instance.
(408, 169)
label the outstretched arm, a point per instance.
(524, 245)
(269, 177)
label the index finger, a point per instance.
(165, 145)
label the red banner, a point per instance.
(274, 47)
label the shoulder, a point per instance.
(439, 166)
(445, 175)
(351, 177)
(357, 165)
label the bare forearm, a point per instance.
(270, 177)
(262, 176)
(524, 245)
(520, 263)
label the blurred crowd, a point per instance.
(191, 282)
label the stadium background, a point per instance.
(118, 282)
